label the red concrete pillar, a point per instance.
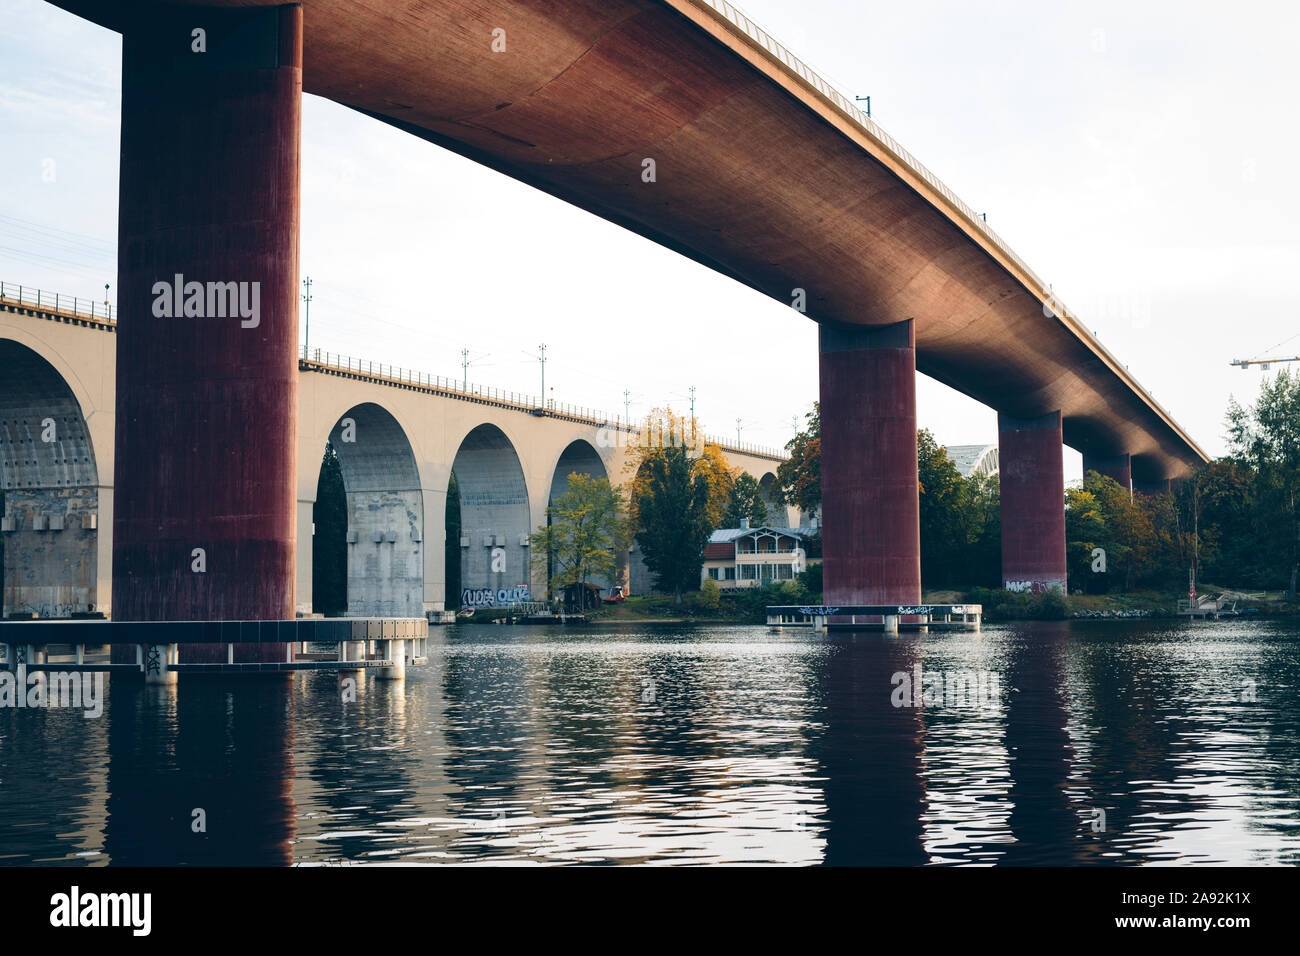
(208, 327)
(871, 537)
(1032, 480)
(1119, 467)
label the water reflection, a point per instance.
(1107, 742)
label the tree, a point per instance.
(943, 530)
(681, 490)
(586, 527)
(745, 501)
(981, 512)
(1265, 437)
(799, 477)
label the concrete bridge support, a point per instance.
(1032, 478)
(1119, 467)
(386, 546)
(49, 481)
(204, 516)
(495, 520)
(871, 534)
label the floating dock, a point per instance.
(387, 645)
(890, 618)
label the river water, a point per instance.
(1102, 742)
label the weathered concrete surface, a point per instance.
(206, 445)
(385, 514)
(871, 539)
(1118, 467)
(49, 476)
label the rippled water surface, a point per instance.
(1101, 742)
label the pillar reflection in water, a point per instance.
(870, 754)
(1046, 827)
(177, 750)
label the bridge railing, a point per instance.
(67, 304)
(43, 298)
(846, 105)
(849, 108)
(404, 376)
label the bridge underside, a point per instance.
(755, 175)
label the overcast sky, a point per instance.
(1139, 156)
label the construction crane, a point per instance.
(1264, 363)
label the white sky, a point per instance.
(1138, 156)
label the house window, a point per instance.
(729, 574)
(748, 572)
(713, 573)
(784, 572)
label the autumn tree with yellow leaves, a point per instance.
(680, 492)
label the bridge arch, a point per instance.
(495, 520)
(778, 512)
(581, 457)
(49, 482)
(385, 513)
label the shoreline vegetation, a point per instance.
(999, 606)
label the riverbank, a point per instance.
(748, 607)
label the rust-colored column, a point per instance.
(204, 506)
(1032, 480)
(871, 533)
(1119, 467)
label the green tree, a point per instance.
(943, 528)
(586, 527)
(671, 501)
(799, 477)
(1265, 437)
(981, 514)
(746, 501)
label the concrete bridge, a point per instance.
(678, 119)
(399, 436)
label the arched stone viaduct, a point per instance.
(398, 443)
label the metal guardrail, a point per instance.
(379, 371)
(733, 15)
(398, 375)
(27, 295)
(846, 105)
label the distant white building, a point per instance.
(974, 459)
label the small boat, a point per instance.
(465, 612)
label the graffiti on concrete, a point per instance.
(1033, 587)
(494, 597)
